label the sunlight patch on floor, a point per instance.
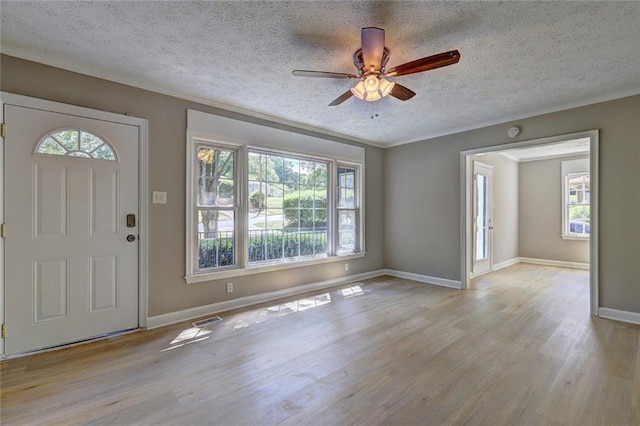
(188, 336)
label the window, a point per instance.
(287, 207)
(75, 143)
(578, 205)
(347, 209)
(254, 209)
(576, 214)
(215, 207)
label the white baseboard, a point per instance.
(505, 264)
(615, 314)
(547, 262)
(200, 311)
(425, 279)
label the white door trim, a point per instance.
(466, 174)
(143, 128)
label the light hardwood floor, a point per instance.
(518, 349)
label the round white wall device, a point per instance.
(513, 131)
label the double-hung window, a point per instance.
(576, 214)
(215, 206)
(347, 209)
(578, 205)
(253, 208)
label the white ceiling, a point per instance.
(518, 59)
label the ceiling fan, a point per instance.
(371, 60)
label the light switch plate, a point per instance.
(159, 197)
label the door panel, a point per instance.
(51, 200)
(103, 288)
(70, 273)
(51, 289)
(104, 207)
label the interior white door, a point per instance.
(71, 259)
(482, 217)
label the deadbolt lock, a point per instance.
(131, 220)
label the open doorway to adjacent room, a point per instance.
(531, 202)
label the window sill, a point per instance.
(574, 238)
(259, 269)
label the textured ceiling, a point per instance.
(517, 58)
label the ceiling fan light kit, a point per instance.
(372, 88)
(371, 61)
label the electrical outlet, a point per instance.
(346, 267)
(229, 287)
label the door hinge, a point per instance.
(3, 130)
(3, 230)
(4, 330)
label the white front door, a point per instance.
(482, 217)
(71, 255)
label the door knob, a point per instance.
(131, 238)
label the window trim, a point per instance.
(242, 266)
(572, 168)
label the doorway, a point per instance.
(467, 201)
(74, 248)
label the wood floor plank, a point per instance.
(518, 348)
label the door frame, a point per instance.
(490, 204)
(143, 187)
(466, 174)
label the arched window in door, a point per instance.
(76, 143)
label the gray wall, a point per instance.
(416, 187)
(167, 117)
(422, 202)
(541, 214)
(505, 207)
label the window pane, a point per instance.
(104, 153)
(291, 171)
(579, 220)
(320, 198)
(68, 139)
(215, 173)
(89, 142)
(321, 175)
(292, 244)
(51, 146)
(346, 230)
(482, 224)
(276, 165)
(293, 210)
(306, 173)
(273, 249)
(306, 197)
(275, 195)
(215, 238)
(346, 187)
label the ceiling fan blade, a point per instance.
(425, 64)
(340, 99)
(322, 74)
(372, 47)
(401, 92)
